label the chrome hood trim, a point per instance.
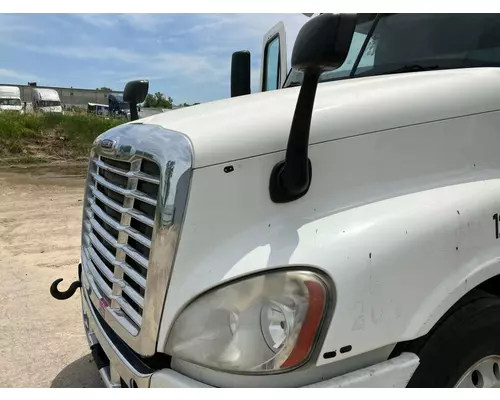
(172, 152)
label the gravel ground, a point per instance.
(42, 341)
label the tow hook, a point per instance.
(54, 291)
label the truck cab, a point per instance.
(45, 100)
(340, 228)
(117, 106)
(10, 99)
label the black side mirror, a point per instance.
(135, 92)
(240, 73)
(322, 44)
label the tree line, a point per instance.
(159, 100)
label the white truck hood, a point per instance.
(248, 126)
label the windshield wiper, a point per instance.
(384, 70)
(412, 68)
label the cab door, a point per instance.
(274, 67)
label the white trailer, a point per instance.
(46, 101)
(342, 231)
(10, 99)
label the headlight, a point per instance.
(262, 323)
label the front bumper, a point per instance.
(119, 367)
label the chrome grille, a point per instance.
(136, 196)
(118, 229)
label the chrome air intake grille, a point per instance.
(136, 196)
(118, 226)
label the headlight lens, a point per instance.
(263, 323)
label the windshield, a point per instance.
(10, 102)
(48, 103)
(418, 42)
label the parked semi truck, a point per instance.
(117, 106)
(342, 231)
(46, 100)
(10, 99)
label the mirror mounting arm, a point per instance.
(135, 92)
(322, 44)
(134, 112)
(291, 178)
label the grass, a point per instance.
(38, 138)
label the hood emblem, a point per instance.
(107, 144)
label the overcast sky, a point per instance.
(185, 56)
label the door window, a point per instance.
(272, 65)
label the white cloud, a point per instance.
(184, 68)
(218, 36)
(98, 20)
(8, 73)
(146, 22)
(241, 27)
(195, 66)
(13, 24)
(222, 34)
(191, 52)
(85, 52)
(15, 28)
(209, 21)
(143, 22)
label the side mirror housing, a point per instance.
(135, 92)
(322, 44)
(240, 73)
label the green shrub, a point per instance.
(49, 136)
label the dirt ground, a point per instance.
(42, 341)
